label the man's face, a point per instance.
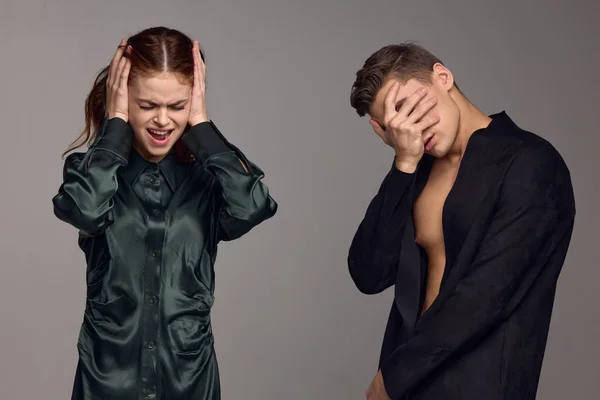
(444, 132)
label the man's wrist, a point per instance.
(406, 165)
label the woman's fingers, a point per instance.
(115, 62)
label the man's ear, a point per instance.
(443, 76)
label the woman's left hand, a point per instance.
(198, 112)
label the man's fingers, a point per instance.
(427, 122)
(421, 109)
(411, 102)
(377, 128)
(389, 103)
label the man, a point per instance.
(471, 225)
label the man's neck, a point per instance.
(471, 120)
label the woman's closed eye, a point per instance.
(176, 108)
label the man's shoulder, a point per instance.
(533, 160)
(522, 144)
(516, 137)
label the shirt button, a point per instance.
(151, 345)
(152, 299)
(155, 253)
(148, 393)
(157, 212)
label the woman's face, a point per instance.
(159, 109)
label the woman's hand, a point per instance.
(198, 112)
(117, 101)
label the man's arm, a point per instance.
(375, 249)
(533, 224)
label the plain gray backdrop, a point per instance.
(288, 321)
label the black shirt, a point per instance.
(507, 225)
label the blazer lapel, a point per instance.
(473, 195)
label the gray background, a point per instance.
(289, 323)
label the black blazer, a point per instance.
(507, 225)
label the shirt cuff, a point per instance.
(115, 136)
(398, 175)
(204, 140)
(398, 181)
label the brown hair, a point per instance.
(154, 50)
(404, 61)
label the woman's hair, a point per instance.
(153, 51)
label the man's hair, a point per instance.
(402, 61)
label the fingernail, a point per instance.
(422, 90)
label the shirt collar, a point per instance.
(481, 145)
(500, 122)
(172, 169)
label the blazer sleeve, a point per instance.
(246, 201)
(85, 198)
(375, 248)
(529, 233)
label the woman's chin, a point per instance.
(153, 153)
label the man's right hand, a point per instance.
(403, 129)
(117, 98)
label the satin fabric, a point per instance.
(149, 233)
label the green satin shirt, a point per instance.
(149, 232)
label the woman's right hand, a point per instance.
(117, 100)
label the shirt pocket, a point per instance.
(189, 328)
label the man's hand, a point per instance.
(377, 391)
(403, 129)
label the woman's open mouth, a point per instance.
(159, 137)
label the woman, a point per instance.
(156, 191)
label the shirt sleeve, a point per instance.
(246, 201)
(375, 248)
(85, 198)
(528, 236)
